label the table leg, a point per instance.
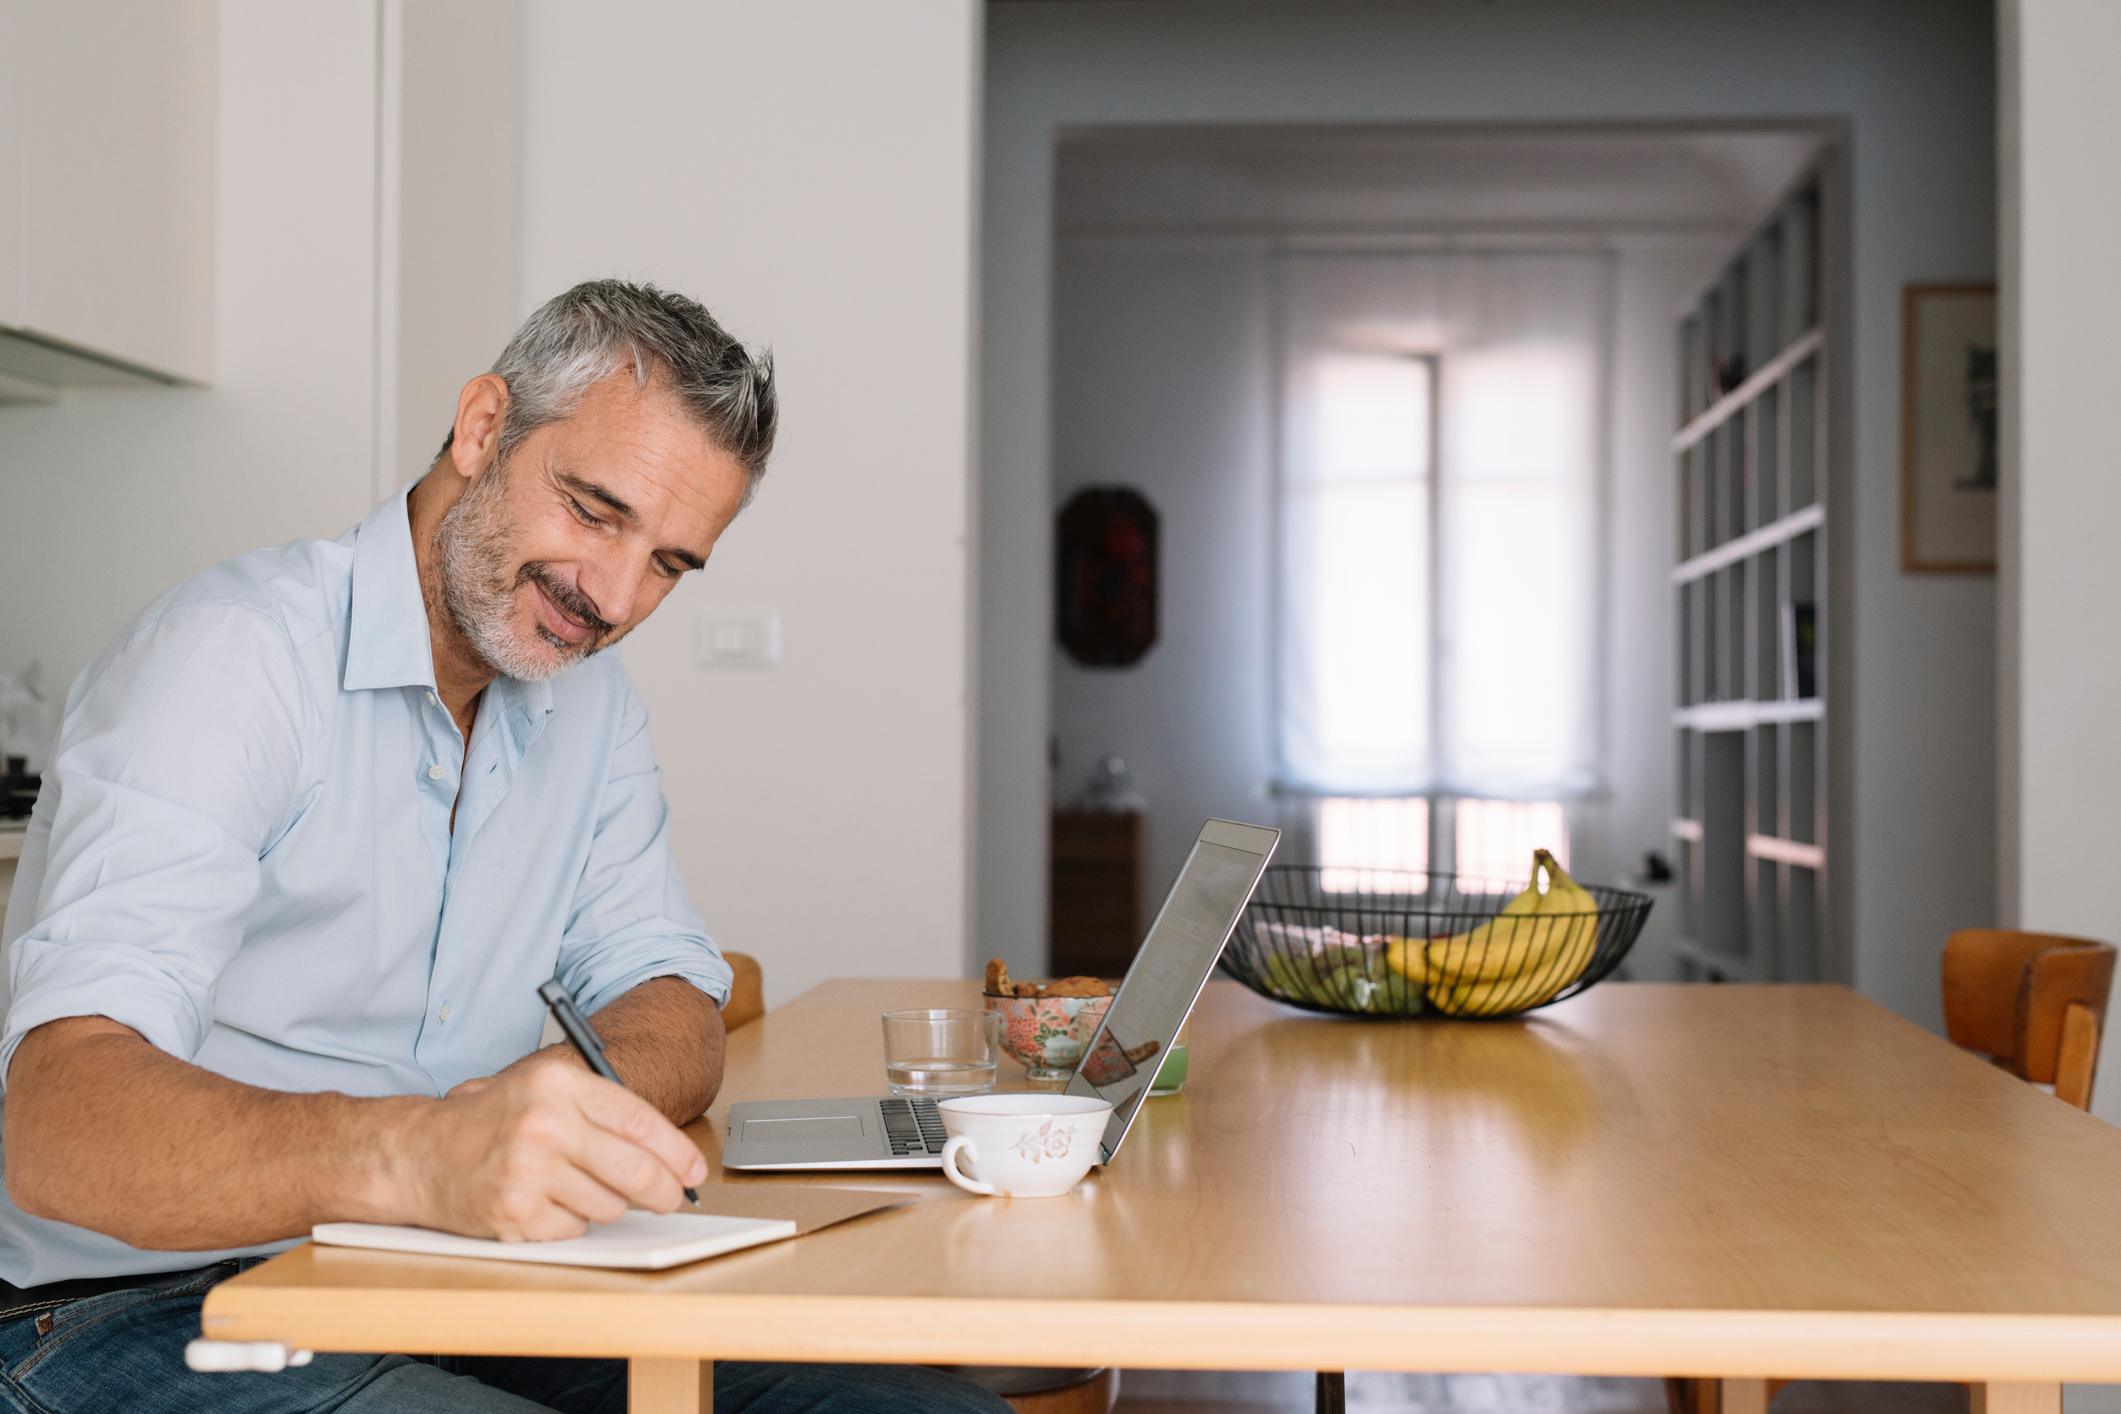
(2016, 1399)
(1694, 1395)
(1332, 1397)
(669, 1387)
(1742, 1397)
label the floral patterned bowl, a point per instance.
(1048, 1035)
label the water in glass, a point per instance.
(936, 1076)
(940, 1051)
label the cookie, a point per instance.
(998, 979)
(1140, 1053)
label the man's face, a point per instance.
(567, 544)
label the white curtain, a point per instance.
(1439, 491)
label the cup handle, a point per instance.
(957, 1145)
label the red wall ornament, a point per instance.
(1106, 577)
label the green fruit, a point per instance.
(1344, 976)
(1290, 978)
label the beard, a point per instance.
(475, 550)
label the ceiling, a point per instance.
(1357, 179)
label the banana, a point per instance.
(1409, 958)
(1537, 945)
(1527, 989)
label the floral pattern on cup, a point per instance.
(1048, 1035)
(1042, 1143)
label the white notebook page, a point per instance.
(638, 1241)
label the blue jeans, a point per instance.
(124, 1351)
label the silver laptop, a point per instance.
(1152, 1003)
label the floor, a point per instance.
(1195, 1392)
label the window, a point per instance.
(1356, 835)
(1356, 531)
(1491, 841)
(1495, 839)
(1437, 525)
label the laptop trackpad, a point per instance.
(801, 1128)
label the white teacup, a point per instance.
(1022, 1146)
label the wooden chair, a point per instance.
(1028, 1391)
(2033, 1003)
(747, 992)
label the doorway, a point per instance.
(1473, 325)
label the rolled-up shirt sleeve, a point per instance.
(631, 920)
(178, 763)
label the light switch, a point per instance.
(739, 640)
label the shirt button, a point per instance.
(435, 772)
(433, 700)
(445, 1011)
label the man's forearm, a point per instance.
(664, 1038)
(105, 1131)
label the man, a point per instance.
(316, 826)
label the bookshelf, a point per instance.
(1750, 578)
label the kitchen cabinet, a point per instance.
(107, 135)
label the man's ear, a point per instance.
(481, 409)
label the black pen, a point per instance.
(585, 1040)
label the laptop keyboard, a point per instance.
(912, 1127)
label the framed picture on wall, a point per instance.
(1105, 610)
(1948, 462)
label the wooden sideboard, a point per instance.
(1094, 920)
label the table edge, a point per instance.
(1176, 1334)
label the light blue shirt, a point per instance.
(243, 850)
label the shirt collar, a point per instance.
(387, 643)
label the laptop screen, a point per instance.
(1171, 968)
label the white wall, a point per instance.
(1915, 81)
(109, 497)
(807, 172)
(449, 216)
(2063, 301)
(1167, 388)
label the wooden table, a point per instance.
(1649, 1180)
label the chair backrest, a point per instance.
(747, 992)
(2033, 1002)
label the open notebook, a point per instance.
(740, 1216)
(639, 1241)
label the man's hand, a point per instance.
(541, 1151)
(107, 1132)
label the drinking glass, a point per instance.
(1171, 1075)
(932, 1052)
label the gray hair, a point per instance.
(600, 326)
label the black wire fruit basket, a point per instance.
(1390, 943)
